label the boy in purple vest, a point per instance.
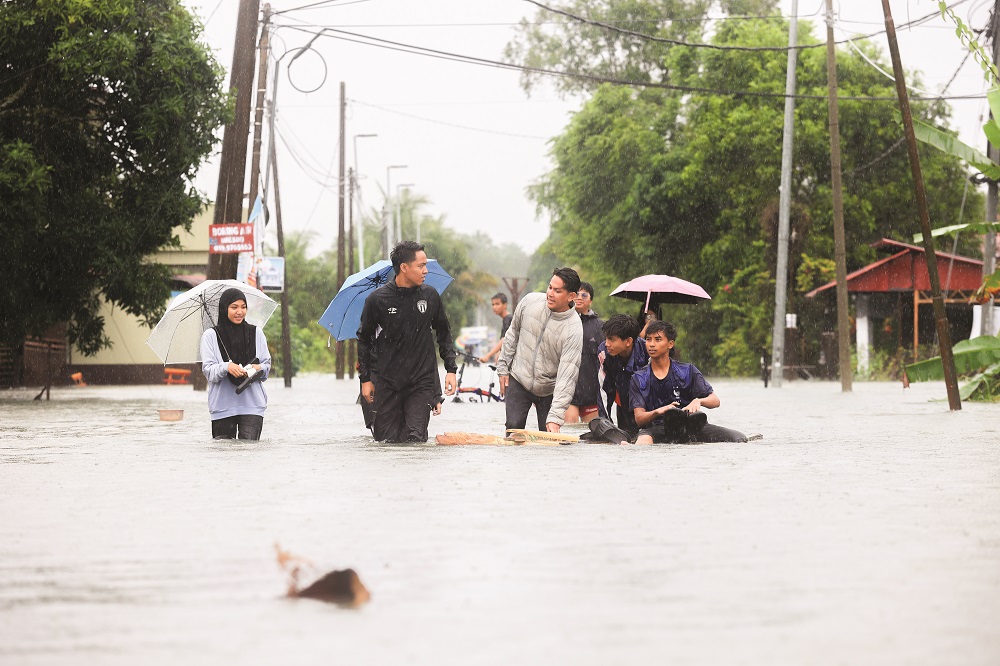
(667, 396)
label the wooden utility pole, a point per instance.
(351, 350)
(286, 334)
(340, 219)
(784, 207)
(839, 237)
(940, 316)
(258, 119)
(232, 166)
(516, 289)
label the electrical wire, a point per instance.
(313, 5)
(718, 47)
(444, 55)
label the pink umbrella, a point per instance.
(654, 290)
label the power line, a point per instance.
(717, 47)
(596, 78)
(313, 5)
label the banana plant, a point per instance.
(976, 360)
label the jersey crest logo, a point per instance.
(422, 306)
(391, 310)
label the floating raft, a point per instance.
(517, 437)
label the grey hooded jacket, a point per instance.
(542, 351)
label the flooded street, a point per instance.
(864, 528)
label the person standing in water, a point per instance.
(227, 350)
(400, 323)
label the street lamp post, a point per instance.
(361, 224)
(388, 205)
(399, 211)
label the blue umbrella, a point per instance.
(343, 316)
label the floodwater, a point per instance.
(863, 529)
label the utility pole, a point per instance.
(258, 119)
(351, 351)
(990, 241)
(784, 205)
(340, 217)
(839, 237)
(940, 316)
(286, 334)
(516, 289)
(232, 166)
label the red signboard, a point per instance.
(230, 238)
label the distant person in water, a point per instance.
(408, 316)
(667, 396)
(233, 352)
(499, 304)
(587, 396)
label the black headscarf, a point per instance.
(238, 342)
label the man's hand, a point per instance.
(693, 406)
(368, 391)
(236, 370)
(666, 408)
(551, 427)
(503, 384)
(437, 409)
(449, 383)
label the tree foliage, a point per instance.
(649, 181)
(107, 108)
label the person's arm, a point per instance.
(643, 418)
(366, 341)
(264, 354)
(493, 352)
(637, 403)
(700, 387)
(212, 363)
(509, 347)
(445, 347)
(566, 376)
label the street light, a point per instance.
(399, 211)
(361, 224)
(388, 210)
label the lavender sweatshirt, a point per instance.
(222, 399)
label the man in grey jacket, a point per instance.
(540, 360)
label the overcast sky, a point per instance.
(470, 138)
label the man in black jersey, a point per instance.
(396, 328)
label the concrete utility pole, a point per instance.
(258, 118)
(840, 242)
(351, 351)
(232, 166)
(341, 246)
(990, 242)
(940, 316)
(784, 206)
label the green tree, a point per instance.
(648, 181)
(107, 108)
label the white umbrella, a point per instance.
(177, 338)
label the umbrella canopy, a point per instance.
(655, 290)
(343, 316)
(177, 338)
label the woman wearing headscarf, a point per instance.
(226, 350)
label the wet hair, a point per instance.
(622, 327)
(499, 296)
(587, 287)
(570, 278)
(660, 326)
(404, 253)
